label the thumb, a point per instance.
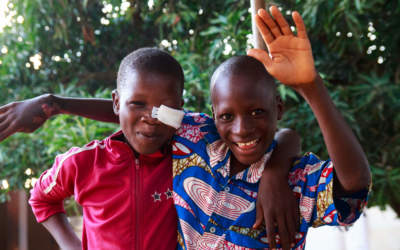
(259, 216)
(260, 55)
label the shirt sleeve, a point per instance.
(196, 131)
(53, 186)
(312, 180)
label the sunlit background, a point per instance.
(76, 51)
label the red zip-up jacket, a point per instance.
(127, 201)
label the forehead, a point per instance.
(150, 83)
(242, 90)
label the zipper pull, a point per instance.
(137, 163)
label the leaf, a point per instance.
(211, 31)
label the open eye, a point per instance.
(137, 103)
(257, 112)
(225, 117)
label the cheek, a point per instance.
(169, 132)
(267, 129)
(223, 130)
(127, 119)
(165, 133)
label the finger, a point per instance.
(5, 108)
(283, 233)
(4, 114)
(283, 24)
(264, 31)
(6, 131)
(3, 117)
(297, 216)
(260, 55)
(259, 216)
(291, 228)
(4, 124)
(270, 232)
(270, 23)
(301, 28)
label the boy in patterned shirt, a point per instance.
(217, 167)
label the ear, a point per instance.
(213, 114)
(116, 100)
(280, 107)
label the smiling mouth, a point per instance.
(148, 135)
(245, 146)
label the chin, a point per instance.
(143, 148)
(147, 150)
(248, 160)
(250, 155)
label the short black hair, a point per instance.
(242, 65)
(152, 60)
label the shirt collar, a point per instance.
(220, 153)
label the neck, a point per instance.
(236, 166)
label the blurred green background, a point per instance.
(73, 48)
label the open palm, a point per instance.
(290, 57)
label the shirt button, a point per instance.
(212, 230)
(227, 189)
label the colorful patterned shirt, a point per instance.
(217, 211)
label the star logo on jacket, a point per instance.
(168, 193)
(156, 196)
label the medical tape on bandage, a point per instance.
(169, 116)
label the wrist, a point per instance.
(50, 105)
(308, 91)
(275, 172)
(72, 244)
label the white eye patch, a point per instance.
(169, 116)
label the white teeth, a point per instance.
(241, 144)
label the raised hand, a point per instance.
(290, 57)
(25, 116)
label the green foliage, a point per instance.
(23, 157)
(356, 51)
(81, 43)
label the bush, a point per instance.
(80, 44)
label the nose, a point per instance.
(242, 127)
(147, 118)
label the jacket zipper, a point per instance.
(137, 203)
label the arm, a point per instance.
(350, 163)
(292, 63)
(48, 194)
(276, 202)
(62, 232)
(28, 115)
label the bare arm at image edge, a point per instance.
(28, 115)
(62, 231)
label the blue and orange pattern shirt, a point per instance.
(217, 211)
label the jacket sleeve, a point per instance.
(53, 186)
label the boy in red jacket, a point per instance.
(123, 182)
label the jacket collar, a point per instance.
(118, 140)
